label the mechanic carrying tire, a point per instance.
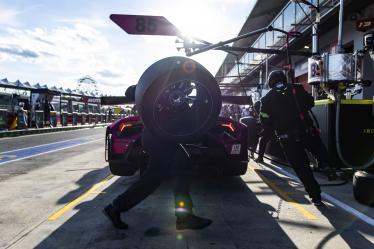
(284, 109)
(178, 100)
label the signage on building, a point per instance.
(91, 100)
(365, 24)
(14, 91)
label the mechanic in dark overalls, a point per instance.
(284, 109)
(166, 159)
(251, 122)
(263, 136)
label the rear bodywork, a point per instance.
(223, 150)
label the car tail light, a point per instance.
(123, 126)
(229, 125)
(126, 129)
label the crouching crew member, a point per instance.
(284, 109)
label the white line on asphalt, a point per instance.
(50, 151)
(348, 208)
(329, 197)
(49, 133)
(40, 145)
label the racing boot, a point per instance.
(114, 216)
(192, 222)
(187, 220)
(317, 201)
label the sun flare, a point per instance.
(193, 21)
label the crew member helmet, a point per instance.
(275, 77)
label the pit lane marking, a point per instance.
(50, 133)
(70, 205)
(33, 151)
(328, 197)
(41, 145)
(7, 156)
(284, 195)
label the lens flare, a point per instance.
(189, 67)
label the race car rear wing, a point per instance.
(237, 100)
(123, 100)
(116, 100)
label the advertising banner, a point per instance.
(83, 118)
(39, 119)
(3, 119)
(64, 119)
(75, 118)
(53, 117)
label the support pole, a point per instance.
(340, 47)
(315, 31)
(266, 70)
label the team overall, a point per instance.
(284, 109)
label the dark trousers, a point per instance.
(294, 150)
(266, 136)
(165, 160)
(314, 145)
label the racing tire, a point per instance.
(123, 168)
(159, 93)
(130, 93)
(235, 168)
(363, 185)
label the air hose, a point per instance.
(366, 165)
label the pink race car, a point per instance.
(223, 150)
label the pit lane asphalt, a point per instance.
(57, 204)
(27, 147)
(13, 143)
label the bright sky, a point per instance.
(58, 42)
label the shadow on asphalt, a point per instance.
(288, 187)
(84, 183)
(240, 220)
(349, 228)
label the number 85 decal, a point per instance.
(146, 25)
